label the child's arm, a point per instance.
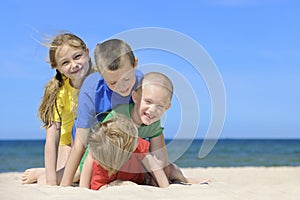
(86, 173)
(76, 154)
(159, 150)
(51, 152)
(151, 164)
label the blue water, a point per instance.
(16, 156)
(234, 153)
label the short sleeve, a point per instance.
(86, 111)
(142, 149)
(151, 131)
(58, 107)
(99, 177)
(86, 102)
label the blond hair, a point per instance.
(156, 78)
(108, 54)
(113, 142)
(48, 103)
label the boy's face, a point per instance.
(121, 80)
(150, 103)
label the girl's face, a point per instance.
(72, 62)
(150, 104)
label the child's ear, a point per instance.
(168, 107)
(136, 60)
(134, 96)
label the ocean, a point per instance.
(18, 155)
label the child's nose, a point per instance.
(152, 108)
(74, 64)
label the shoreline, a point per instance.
(228, 183)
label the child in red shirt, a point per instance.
(119, 154)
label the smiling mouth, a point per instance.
(148, 116)
(78, 70)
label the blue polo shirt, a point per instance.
(95, 98)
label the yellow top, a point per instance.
(65, 111)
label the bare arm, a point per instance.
(51, 152)
(158, 150)
(76, 154)
(153, 166)
(86, 174)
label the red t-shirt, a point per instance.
(132, 170)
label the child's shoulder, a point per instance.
(142, 147)
(95, 76)
(139, 74)
(91, 81)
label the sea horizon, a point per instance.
(18, 155)
(40, 139)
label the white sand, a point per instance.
(227, 184)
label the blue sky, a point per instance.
(254, 44)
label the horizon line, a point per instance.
(233, 138)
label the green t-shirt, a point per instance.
(151, 131)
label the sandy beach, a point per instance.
(227, 183)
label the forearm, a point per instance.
(51, 152)
(86, 174)
(72, 163)
(160, 178)
(152, 166)
(158, 150)
(50, 164)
